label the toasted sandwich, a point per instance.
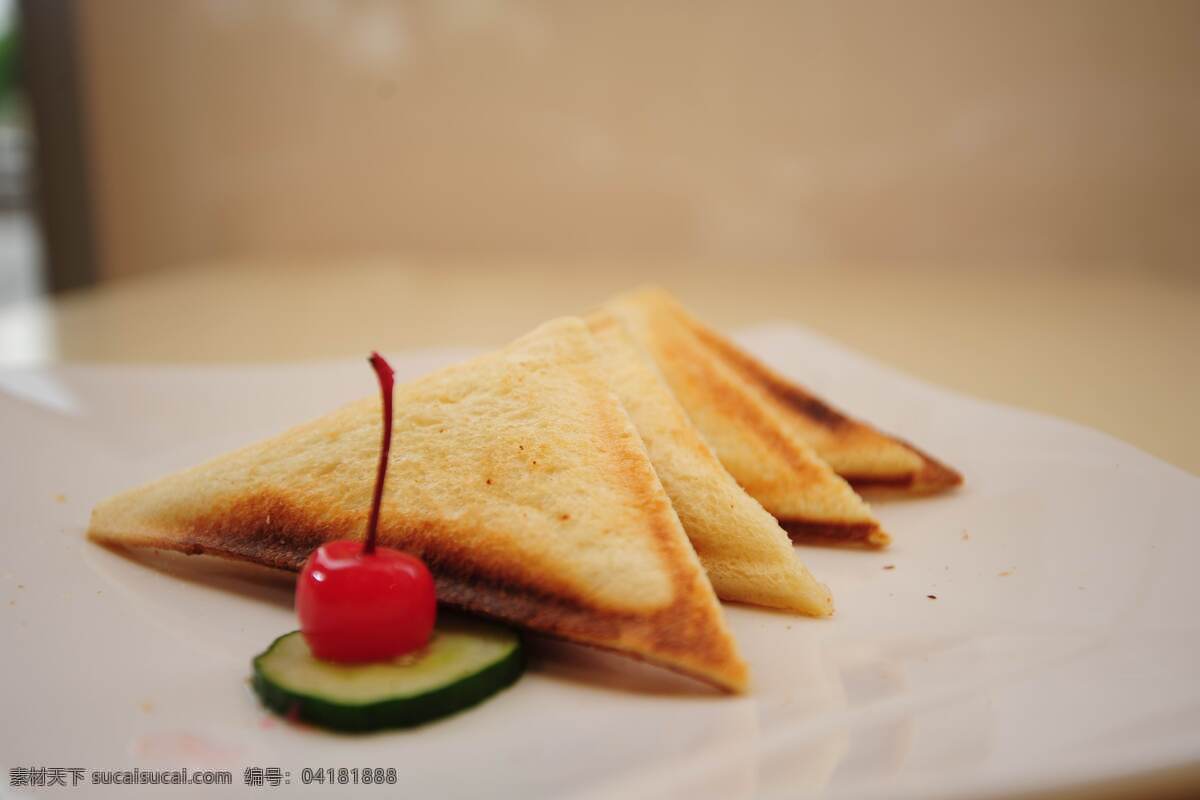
(747, 556)
(518, 477)
(776, 467)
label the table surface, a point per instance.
(1112, 348)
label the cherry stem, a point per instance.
(386, 380)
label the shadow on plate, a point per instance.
(581, 665)
(251, 581)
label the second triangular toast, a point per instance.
(860, 453)
(779, 470)
(747, 556)
(518, 477)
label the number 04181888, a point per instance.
(348, 775)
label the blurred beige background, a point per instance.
(1000, 197)
(978, 134)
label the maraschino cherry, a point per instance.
(358, 602)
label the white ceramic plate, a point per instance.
(1062, 647)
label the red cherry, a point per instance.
(362, 602)
(356, 607)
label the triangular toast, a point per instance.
(865, 456)
(747, 556)
(778, 469)
(518, 477)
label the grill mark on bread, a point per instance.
(731, 401)
(771, 463)
(682, 460)
(602, 323)
(932, 476)
(272, 529)
(263, 528)
(825, 533)
(901, 482)
(788, 393)
(680, 626)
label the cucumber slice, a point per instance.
(465, 662)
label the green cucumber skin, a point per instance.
(404, 712)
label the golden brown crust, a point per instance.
(747, 556)
(735, 406)
(680, 628)
(850, 535)
(748, 434)
(932, 476)
(503, 602)
(270, 530)
(796, 398)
